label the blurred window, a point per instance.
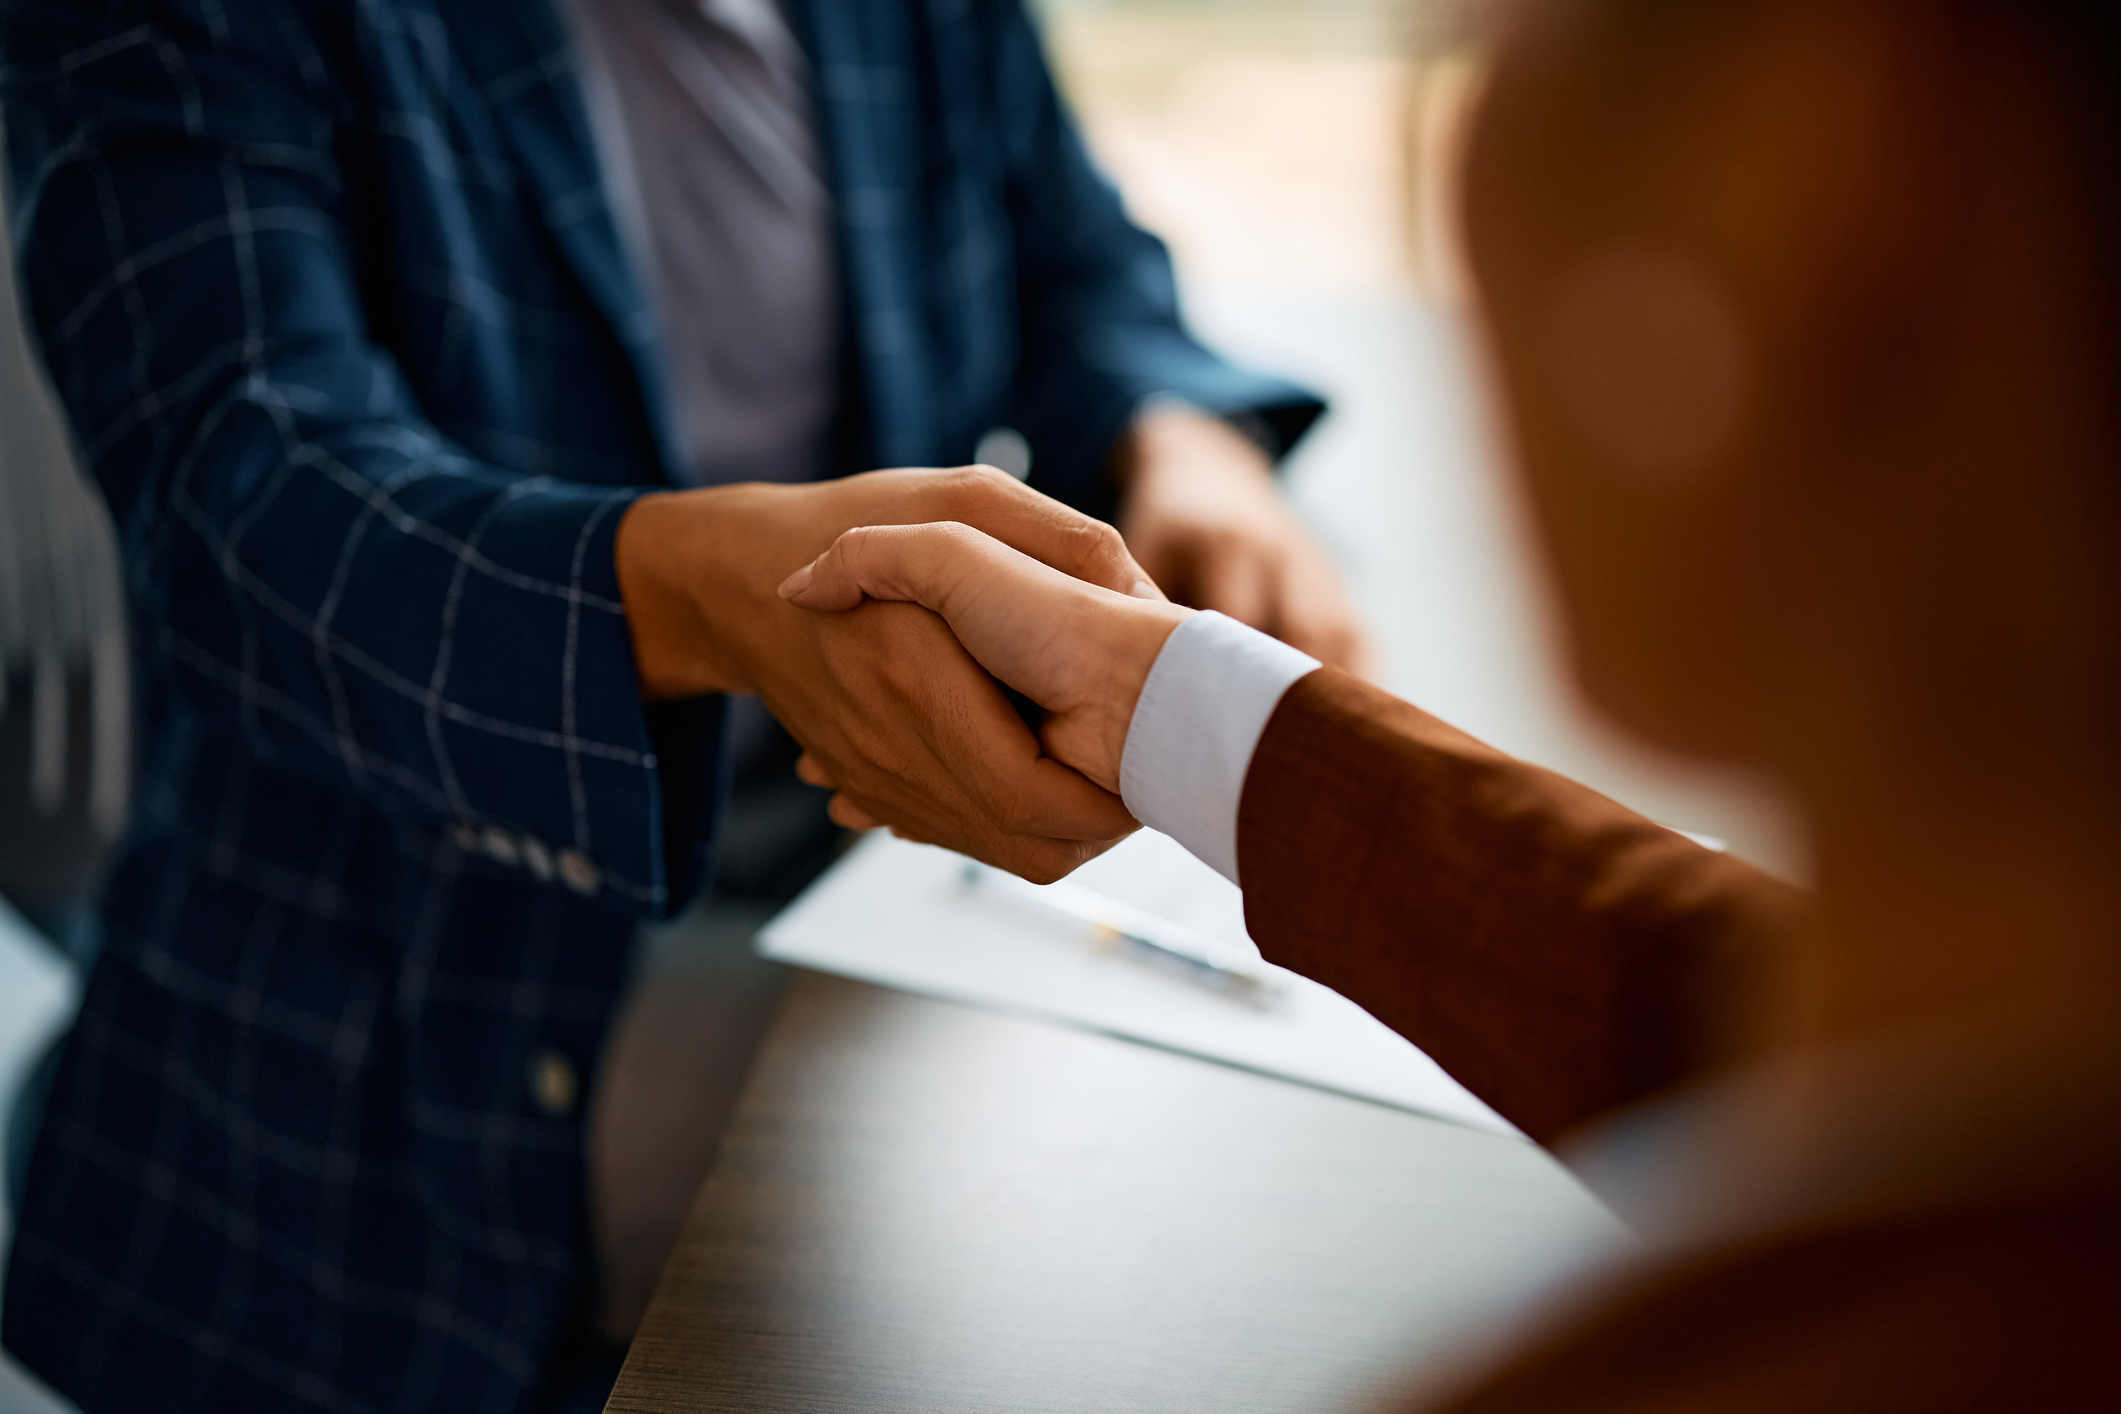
(1299, 144)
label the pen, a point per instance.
(1165, 946)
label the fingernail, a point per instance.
(799, 581)
(1145, 590)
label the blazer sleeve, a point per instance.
(1101, 329)
(1557, 953)
(313, 566)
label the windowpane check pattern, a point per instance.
(332, 295)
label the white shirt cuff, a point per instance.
(1201, 713)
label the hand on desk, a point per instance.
(1080, 650)
(1200, 511)
(890, 708)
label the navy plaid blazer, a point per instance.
(332, 295)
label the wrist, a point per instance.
(693, 590)
(1129, 655)
(1168, 432)
(659, 611)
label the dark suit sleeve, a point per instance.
(1558, 954)
(1099, 307)
(314, 567)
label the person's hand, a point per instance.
(1200, 510)
(885, 701)
(1082, 651)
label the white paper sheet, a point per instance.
(906, 916)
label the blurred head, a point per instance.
(1803, 315)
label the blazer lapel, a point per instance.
(519, 55)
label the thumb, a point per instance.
(922, 564)
(1046, 530)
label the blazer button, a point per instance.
(577, 873)
(552, 1082)
(500, 846)
(537, 859)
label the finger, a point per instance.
(1053, 801)
(1019, 788)
(1048, 861)
(1352, 650)
(921, 564)
(1346, 645)
(1021, 791)
(1047, 531)
(937, 747)
(1089, 819)
(1338, 645)
(845, 813)
(1236, 579)
(1318, 617)
(1042, 861)
(910, 836)
(811, 772)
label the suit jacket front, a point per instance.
(331, 294)
(1565, 958)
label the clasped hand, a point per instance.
(892, 710)
(1076, 647)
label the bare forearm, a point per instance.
(686, 591)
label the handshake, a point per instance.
(879, 616)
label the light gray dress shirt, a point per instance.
(1200, 717)
(702, 115)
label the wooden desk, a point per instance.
(920, 1207)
